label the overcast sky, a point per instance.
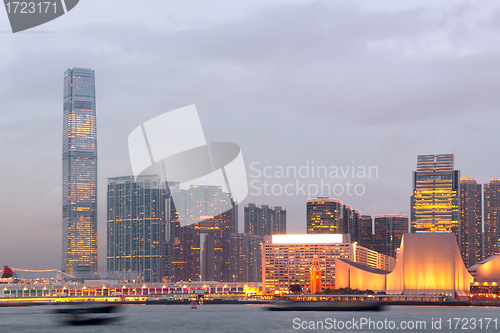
(337, 83)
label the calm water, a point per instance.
(241, 318)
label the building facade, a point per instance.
(137, 217)
(491, 237)
(471, 228)
(325, 216)
(287, 259)
(79, 175)
(389, 230)
(435, 200)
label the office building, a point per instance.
(491, 218)
(389, 230)
(325, 216)
(287, 259)
(137, 214)
(471, 229)
(79, 179)
(435, 199)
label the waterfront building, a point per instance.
(435, 199)
(137, 214)
(471, 229)
(428, 263)
(287, 259)
(491, 238)
(324, 216)
(79, 175)
(389, 230)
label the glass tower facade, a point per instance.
(79, 183)
(435, 199)
(138, 211)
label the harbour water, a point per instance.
(253, 318)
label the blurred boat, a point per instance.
(88, 314)
(288, 305)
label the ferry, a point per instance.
(8, 276)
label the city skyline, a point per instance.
(301, 85)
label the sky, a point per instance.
(295, 83)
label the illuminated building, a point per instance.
(287, 259)
(491, 218)
(201, 250)
(137, 215)
(324, 216)
(470, 221)
(389, 230)
(264, 220)
(246, 258)
(435, 195)
(428, 263)
(79, 185)
(366, 239)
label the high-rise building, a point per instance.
(279, 221)
(324, 216)
(79, 179)
(246, 258)
(347, 220)
(491, 234)
(366, 239)
(471, 229)
(357, 226)
(389, 230)
(264, 220)
(137, 214)
(435, 195)
(201, 250)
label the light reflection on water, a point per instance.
(229, 318)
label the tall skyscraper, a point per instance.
(435, 195)
(491, 218)
(471, 229)
(79, 181)
(324, 216)
(389, 230)
(137, 214)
